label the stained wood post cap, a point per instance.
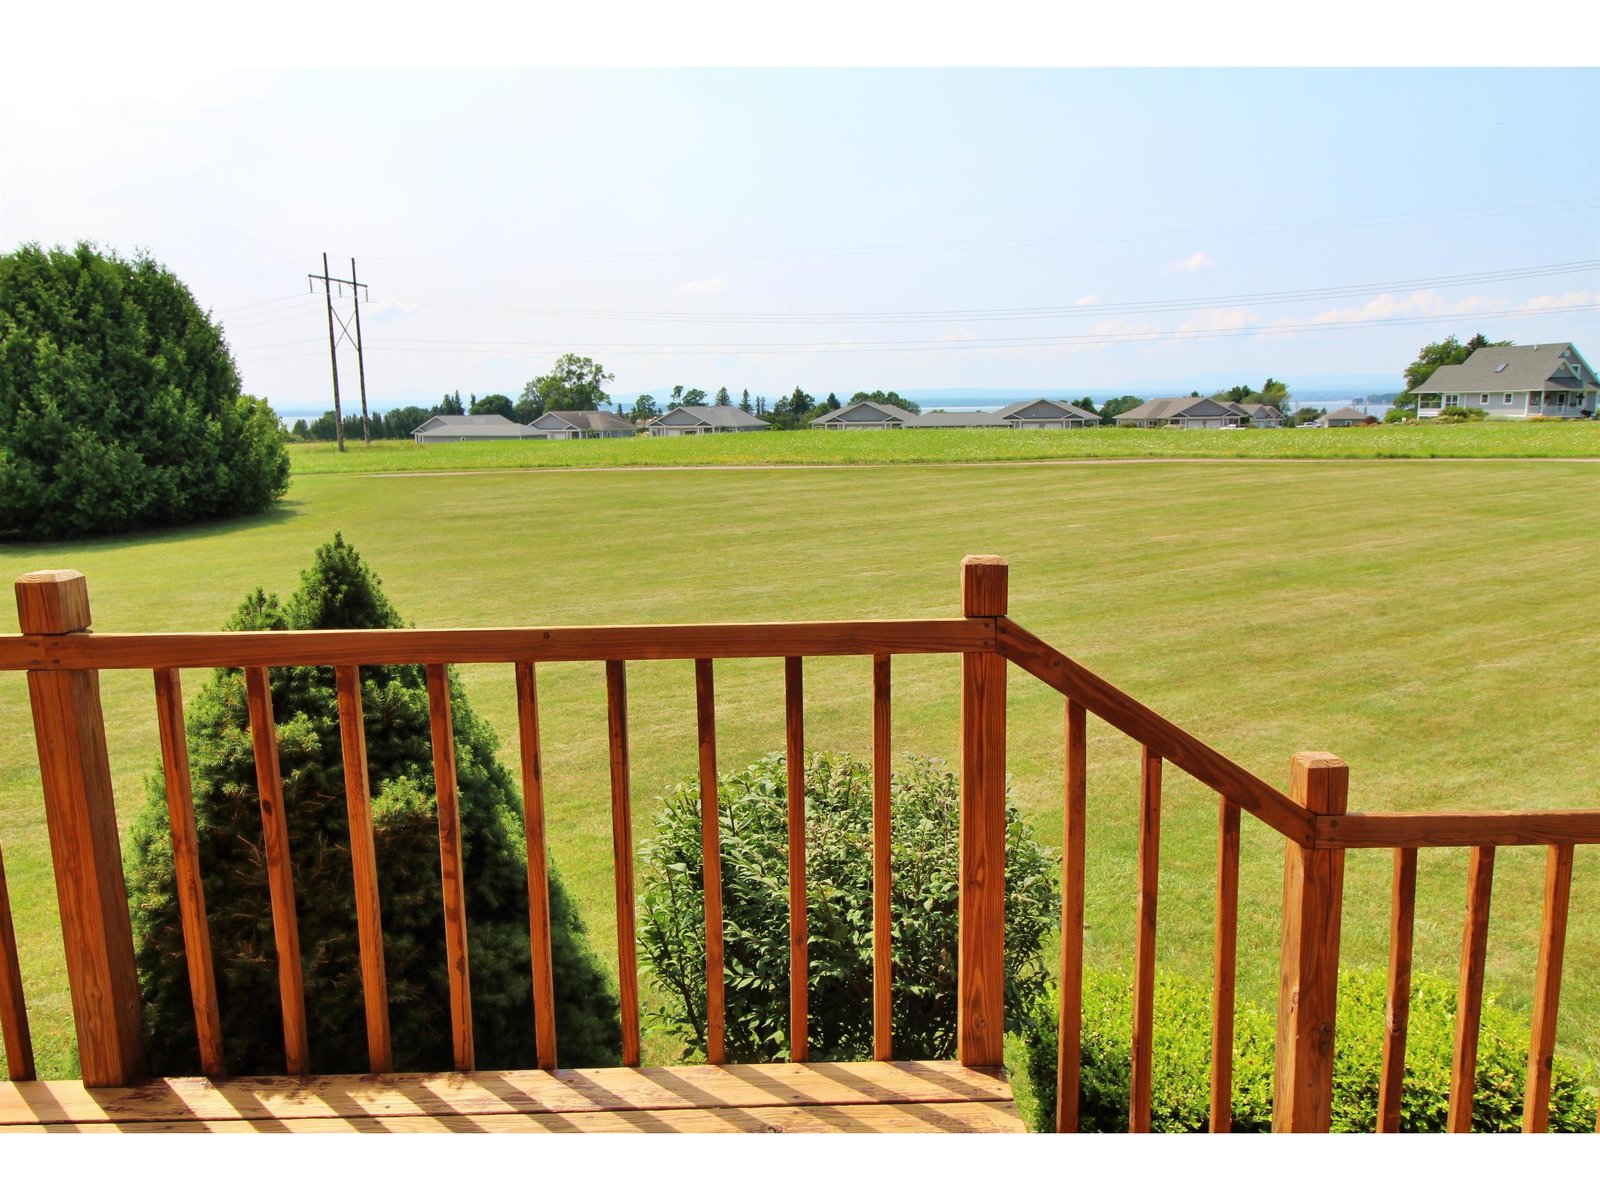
(1319, 781)
(53, 602)
(984, 585)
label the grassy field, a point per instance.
(1490, 439)
(1431, 623)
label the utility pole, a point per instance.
(361, 360)
(333, 346)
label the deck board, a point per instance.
(775, 1097)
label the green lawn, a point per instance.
(1433, 623)
(1490, 439)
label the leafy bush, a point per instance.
(1460, 416)
(1181, 1060)
(340, 592)
(119, 402)
(752, 818)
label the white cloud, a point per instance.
(1198, 261)
(1565, 300)
(704, 287)
(387, 310)
(1091, 298)
(1219, 318)
(1427, 303)
(1130, 330)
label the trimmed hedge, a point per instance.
(755, 885)
(1181, 1061)
(120, 405)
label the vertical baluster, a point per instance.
(1224, 973)
(544, 991)
(1069, 1044)
(1397, 1017)
(364, 867)
(799, 956)
(622, 858)
(882, 878)
(186, 869)
(452, 875)
(1469, 995)
(1144, 959)
(1547, 989)
(13, 1009)
(280, 870)
(710, 855)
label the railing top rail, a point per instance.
(1352, 831)
(583, 643)
(1150, 728)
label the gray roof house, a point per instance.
(1046, 414)
(704, 418)
(556, 425)
(1262, 416)
(489, 427)
(1343, 416)
(1186, 412)
(866, 415)
(1547, 380)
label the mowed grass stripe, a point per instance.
(1429, 622)
(1489, 439)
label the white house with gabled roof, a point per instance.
(1546, 380)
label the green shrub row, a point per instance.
(1181, 1060)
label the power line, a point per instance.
(440, 346)
(1245, 230)
(1039, 312)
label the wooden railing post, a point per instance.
(1308, 972)
(75, 773)
(981, 985)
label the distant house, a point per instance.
(703, 418)
(1184, 412)
(1262, 416)
(1343, 417)
(865, 415)
(490, 427)
(1046, 414)
(1548, 380)
(558, 425)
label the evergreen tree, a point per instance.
(340, 592)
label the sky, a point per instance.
(837, 230)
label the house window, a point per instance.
(1452, 401)
(1506, 399)
(1482, 398)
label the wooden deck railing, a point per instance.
(63, 659)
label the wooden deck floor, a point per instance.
(901, 1097)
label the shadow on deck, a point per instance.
(871, 1097)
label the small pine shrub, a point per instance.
(1181, 1060)
(752, 816)
(340, 592)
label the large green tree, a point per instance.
(493, 404)
(573, 383)
(120, 406)
(340, 592)
(1445, 353)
